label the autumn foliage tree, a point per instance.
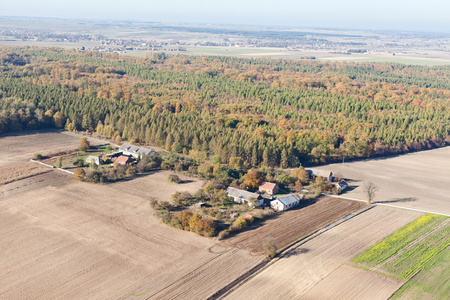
(79, 174)
(84, 144)
(253, 179)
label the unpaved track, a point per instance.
(309, 264)
(418, 180)
(292, 225)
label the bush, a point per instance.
(174, 178)
(37, 156)
(184, 218)
(94, 176)
(79, 174)
(240, 223)
(79, 162)
(223, 234)
(270, 247)
(166, 165)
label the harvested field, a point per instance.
(289, 226)
(157, 186)
(351, 283)
(416, 180)
(19, 171)
(20, 146)
(51, 180)
(85, 241)
(296, 273)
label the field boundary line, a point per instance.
(264, 264)
(413, 209)
(50, 166)
(391, 205)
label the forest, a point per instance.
(236, 111)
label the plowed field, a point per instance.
(19, 171)
(289, 226)
(319, 262)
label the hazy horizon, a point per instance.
(397, 15)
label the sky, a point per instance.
(405, 15)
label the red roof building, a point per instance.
(268, 188)
(124, 160)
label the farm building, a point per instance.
(124, 160)
(313, 173)
(94, 159)
(241, 196)
(135, 151)
(340, 186)
(285, 203)
(268, 188)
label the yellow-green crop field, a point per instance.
(432, 282)
(407, 250)
(415, 250)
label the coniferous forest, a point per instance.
(238, 111)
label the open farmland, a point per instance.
(416, 180)
(19, 171)
(321, 260)
(78, 240)
(432, 282)
(20, 147)
(289, 226)
(406, 251)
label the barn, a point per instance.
(135, 151)
(286, 202)
(242, 196)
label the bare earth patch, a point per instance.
(19, 171)
(291, 225)
(298, 271)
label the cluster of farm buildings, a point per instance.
(126, 155)
(265, 194)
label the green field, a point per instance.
(432, 282)
(405, 252)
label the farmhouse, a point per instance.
(313, 173)
(340, 186)
(285, 203)
(94, 159)
(241, 196)
(135, 151)
(124, 160)
(268, 188)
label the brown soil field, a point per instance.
(19, 171)
(20, 146)
(51, 180)
(299, 270)
(417, 180)
(62, 239)
(289, 226)
(351, 283)
(157, 186)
